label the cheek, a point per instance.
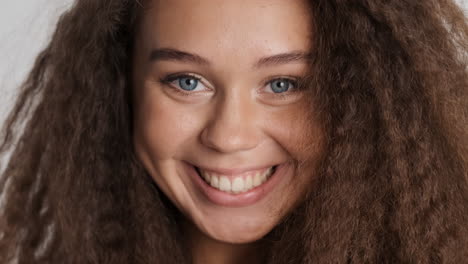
(295, 130)
(161, 127)
(300, 134)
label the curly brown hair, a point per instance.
(390, 79)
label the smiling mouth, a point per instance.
(236, 184)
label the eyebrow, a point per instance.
(176, 55)
(283, 58)
(169, 54)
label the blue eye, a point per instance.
(188, 83)
(281, 85)
(183, 82)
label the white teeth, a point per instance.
(248, 183)
(257, 180)
(238, 184)
(224, 184)
(214, 182)
(263, 177)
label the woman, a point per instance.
(242, 132)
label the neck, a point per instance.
(205, 250)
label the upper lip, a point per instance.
(233, 171)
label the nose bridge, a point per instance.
(232, 126)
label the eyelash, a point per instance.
(167, 80)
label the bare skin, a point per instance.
(219, 108)
(207, 250)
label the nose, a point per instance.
(233, 125)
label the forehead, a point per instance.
(221, 28)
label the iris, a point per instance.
(188, 83)
(280, 85)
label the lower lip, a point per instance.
(241, 199)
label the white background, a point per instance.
(25, 28)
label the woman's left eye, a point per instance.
(282, 85)
(185, 83)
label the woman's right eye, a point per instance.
(185, 82)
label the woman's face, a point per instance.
(219, 122)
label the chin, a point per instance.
(237, 238)
(237, 234)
